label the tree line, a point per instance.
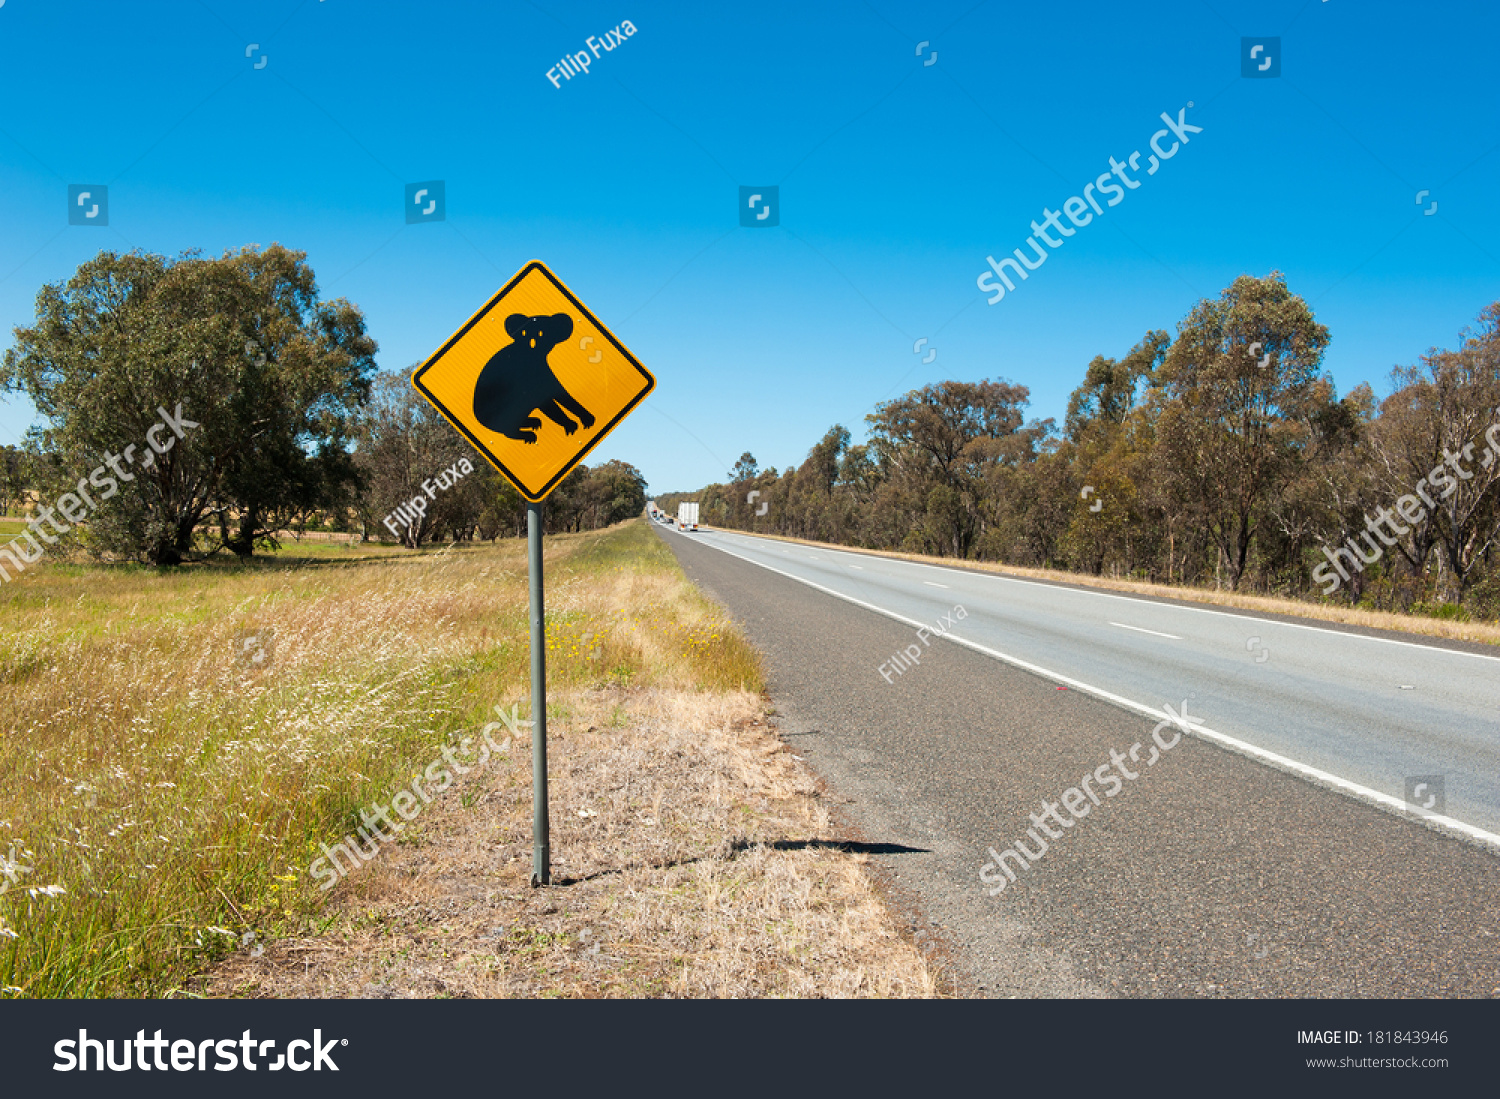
(296, 428)
(1220, 456)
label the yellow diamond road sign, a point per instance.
(534, 380)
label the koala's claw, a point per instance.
(527, 436)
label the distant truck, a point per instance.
(687, 515)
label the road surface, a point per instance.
(1275, 849)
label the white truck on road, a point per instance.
(687, 515)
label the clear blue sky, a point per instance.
(896, 179)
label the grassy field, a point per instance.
(166, 783)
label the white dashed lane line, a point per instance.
(1142, 629)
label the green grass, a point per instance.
(177, 797)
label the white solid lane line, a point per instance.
(1138, 600)
(1234, 744)
(930, 584)
(1142, 629)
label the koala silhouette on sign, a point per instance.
(518, 381)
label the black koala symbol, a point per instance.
(517, 381)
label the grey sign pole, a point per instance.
(541, 849)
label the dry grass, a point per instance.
(1486, 633)
(691, 858)
(176, 799)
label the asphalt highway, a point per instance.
(1317, 816)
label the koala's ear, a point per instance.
(562, 324)
(513, 325)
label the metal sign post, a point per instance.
(541, 837)
(531, 363)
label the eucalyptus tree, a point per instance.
(1232, 402)
(1438, 439)
(242, 347)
